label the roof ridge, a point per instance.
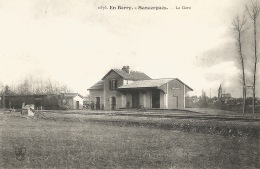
(163, 79)
(132, 75)
(137, 71)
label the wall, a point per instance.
(71, 102)
(127, 82)
(50, 102)
(144, 99)
(175, 88)
(148, 99)
(47, 101)
(128, 100)
(123, 99)
(162, 100)
(17, 101)
(110, 93)
(75, 99)
(97, 93)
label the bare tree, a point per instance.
(32, 85)
(1, 88)
(239, 27)
(65, 89)
(253, 11)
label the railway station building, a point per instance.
(123, 88)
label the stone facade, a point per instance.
(121, 89)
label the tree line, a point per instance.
(32, 85)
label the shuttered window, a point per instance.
(112, 84)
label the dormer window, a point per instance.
(113, 84)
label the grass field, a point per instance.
(58, 142)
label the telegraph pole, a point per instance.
(3, 100)
(253, 99)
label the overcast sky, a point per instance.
(75, 43)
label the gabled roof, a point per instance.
(98, 86)
(132, 75)
(184, 84)
(153, 83)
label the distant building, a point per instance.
(45, 101)
(220, 91)
(222, 96)
(122, 88)
(226, 96)
(73, 101)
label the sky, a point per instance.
(75, 43)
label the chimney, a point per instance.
(126, 69)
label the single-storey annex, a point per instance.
(122, 88)
(73, 101)
(45, 101)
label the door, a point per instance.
(175, 102)
(156, 99)
(135, 99)
(7, 103)
(97, 103)
(77, 105)
(38, 103)
(113, 103)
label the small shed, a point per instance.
(73, 101)
(28, 110)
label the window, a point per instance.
(113, 84)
